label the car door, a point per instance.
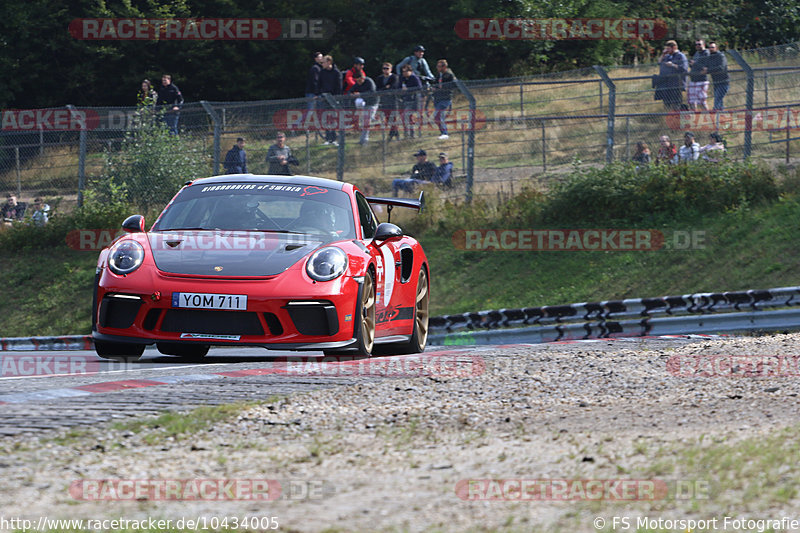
(387, 261)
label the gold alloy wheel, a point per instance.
(421, 309)
(368, 314)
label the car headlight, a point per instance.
(125, 257)
(326, 264)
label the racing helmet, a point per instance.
(318, 215)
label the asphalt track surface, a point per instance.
(45, 391)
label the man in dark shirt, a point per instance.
(717, 66)
(12, 209)
(672, 69)
(388, 81)
(423, 171)
(697, 93)
(330, 82)
(236, 158)
(312, 80)
(170, 97)
(279, 156)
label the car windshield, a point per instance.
(270, 207)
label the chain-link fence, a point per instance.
(525, 130)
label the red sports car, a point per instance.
(282, 262)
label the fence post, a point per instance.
(19, 176)
(788, 131)
(521, 102)
(308, 153)
(612, 94)
(748, 117)
(340, 136)
(217, 125)
(627, 138)
(81, 156)
(470, 139)
(601, 95)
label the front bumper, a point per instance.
(285, 312)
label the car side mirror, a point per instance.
(133, 224)
(387, 231)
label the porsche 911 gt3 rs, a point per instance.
(282, 262)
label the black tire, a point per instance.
(419, 337)
(365, 332)
(118, 351)
(194, 352)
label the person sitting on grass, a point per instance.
(444, 172)
(423, 171)
(714, 151)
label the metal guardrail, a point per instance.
(749, 311)
(717, 312)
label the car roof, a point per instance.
(265, 178)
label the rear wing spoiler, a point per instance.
(390, 203)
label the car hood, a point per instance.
(229, 254)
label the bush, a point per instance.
(658, 193)
(105, 211)
(151, 165)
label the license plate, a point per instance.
(200, 300)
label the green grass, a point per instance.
(172, 424)
(46, 292)
(747, 249)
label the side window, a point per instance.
(367, 218)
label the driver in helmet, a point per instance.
(318, 215)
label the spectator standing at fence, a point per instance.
(367, 101)
(312, 80)
(279, 156)
(423, 171)
(690, 150)
(330, 82)
(717, 65)
(714, 151)
(642, 155)
(236, 158)
(410, 89)
(697, 94)
(352, 73)
(41, 212)
(388, 81)
(147, 95)
(170, 97)
(418, 65)
(13, 210)
(672, 68)
(443, 96)
(667, 152)
(444, 172)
